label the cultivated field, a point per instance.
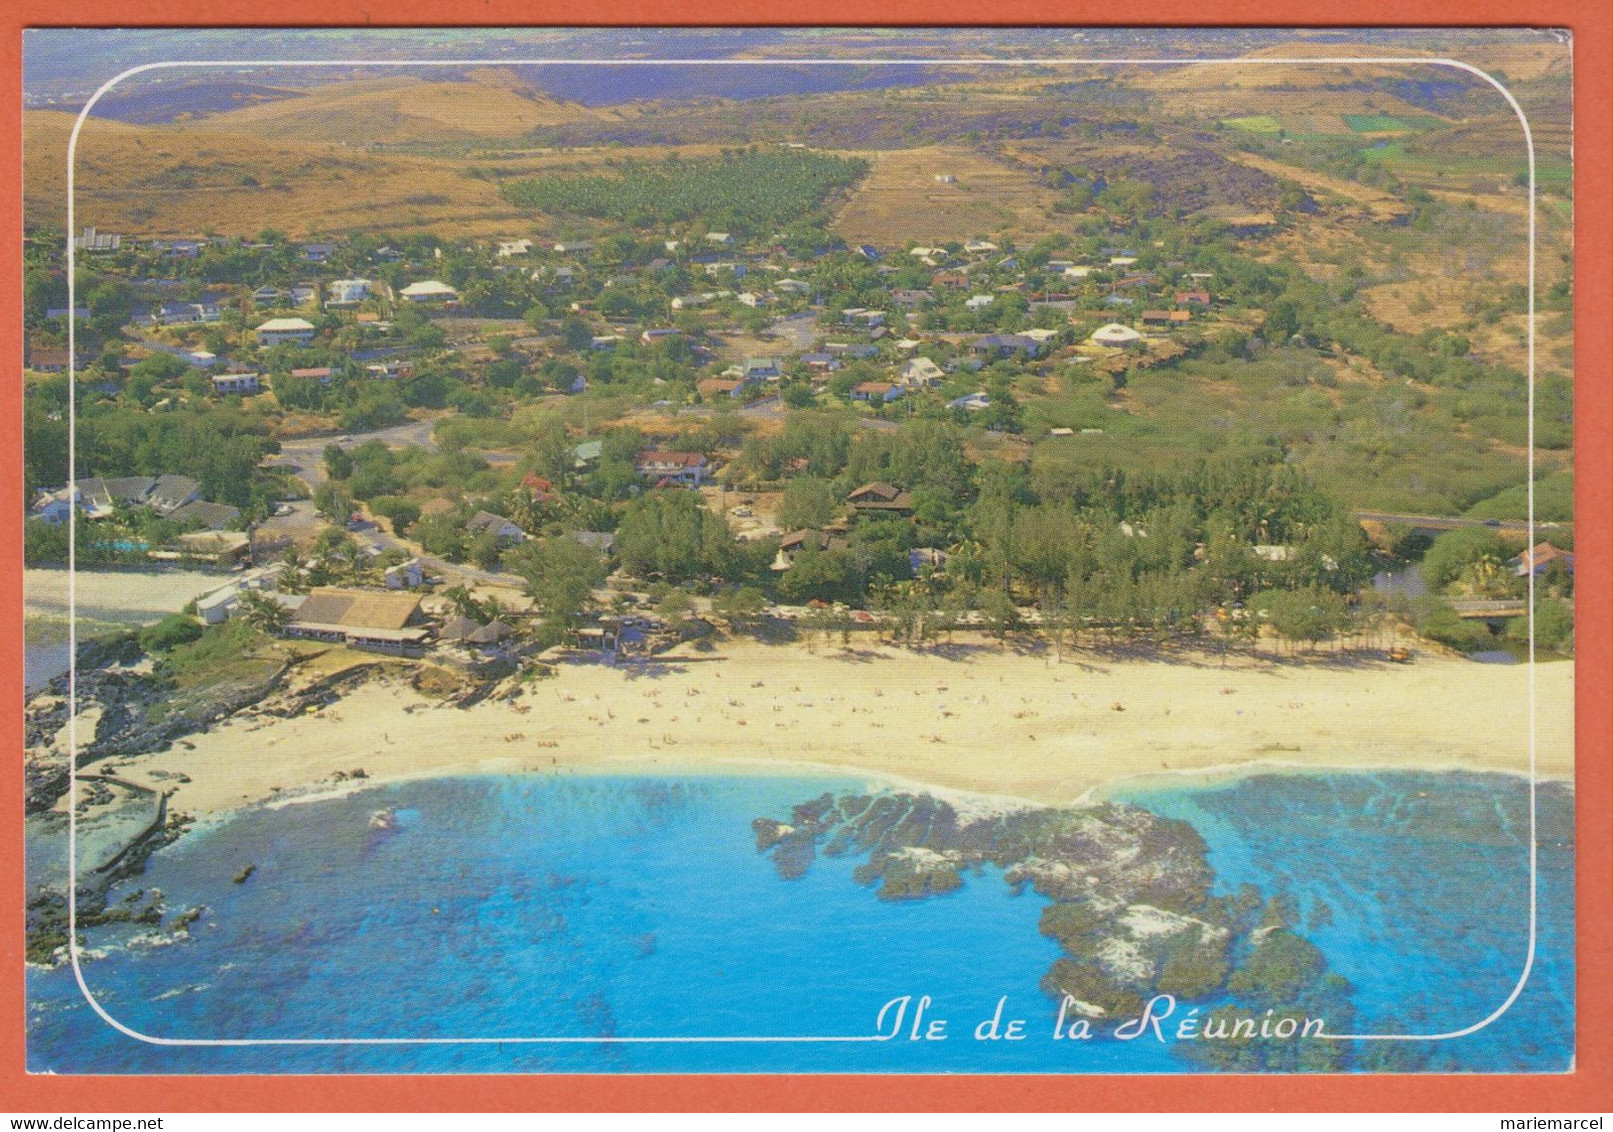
(901, 202)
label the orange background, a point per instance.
(1589, 1088)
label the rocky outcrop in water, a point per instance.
(1132, 893)
(46, 915)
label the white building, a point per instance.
(1114, 334)
(54, 506)
(921, 372)
(404, 576)
(223, 602)
(430, 291)
(284, 331)
(349, 290)
(976, 402)
(227, 383)
(93, 241)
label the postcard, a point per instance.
(799, 551)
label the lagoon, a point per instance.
(598, 908)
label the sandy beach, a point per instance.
(978, 720)
(116, 595)
(107, 600)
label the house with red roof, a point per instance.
(673, 469)
(1537, 559)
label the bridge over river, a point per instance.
(1487, 608)
(1433, 524)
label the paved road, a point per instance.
(299, 524)
(799, 331)
(306, 459)
(772, 409)
(376, 535)
(306, 456)
(1448, 523)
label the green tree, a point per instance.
(172, 631)
(1282, 322)
(262, 612)
(463, 603)
(828, 575)
(1453, 552)
(576, 334)
(740, 606)
(485, 550)
(333, 501)
(561, 574)
(44, 542)
(809, 501)
(672, 535)
(338, 463)
(1311, 615)
(399, 512)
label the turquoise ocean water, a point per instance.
(590, 908)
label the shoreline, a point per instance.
(1204, 778)
(1001, 727)
(968, 803)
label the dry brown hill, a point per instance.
(182, 181)
(403, 109)
(188, 180)
(1303, 96)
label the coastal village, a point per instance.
(756, 389)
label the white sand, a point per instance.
(116, 595)
(996, 723)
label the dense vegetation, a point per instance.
(219, 446)
(742, 192)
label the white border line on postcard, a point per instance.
(72, 473)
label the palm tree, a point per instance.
(352, 559)
(292, 579)
(464, 603)
(493, 609)
(262, 612)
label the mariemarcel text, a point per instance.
(917, 1019)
